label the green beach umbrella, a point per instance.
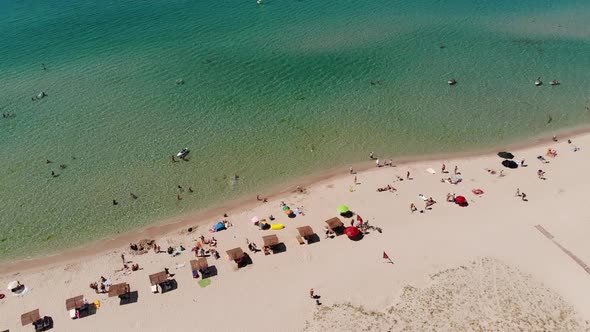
(343, 209)
(285, 208)
(204, 282)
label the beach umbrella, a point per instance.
(219, 226)
(461, 200)
(351, 231)
(505, 155)
(510, 163)
(343, 209)
(254, 220)
(12, 285)
(456, 179)
(288, 212)
(285, 208)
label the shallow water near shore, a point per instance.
(271, 92)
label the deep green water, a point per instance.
(272, 92)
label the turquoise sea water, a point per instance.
(271, 92)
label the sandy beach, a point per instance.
(500, 263)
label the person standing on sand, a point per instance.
(517, 192)
(371, 155)
(355, 180)
(443, 168)
(123, 258)
(311, 293)
(522, 163)
(351, 170)
(457, 170)
(523, 195)
(408, 175)
(413, 208)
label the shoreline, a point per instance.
(168, 226)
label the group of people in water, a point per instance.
(41, 95)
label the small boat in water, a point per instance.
(554, 82)
(538, 82)
(452, 81)
(183, 153)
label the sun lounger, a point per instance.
(300, 239)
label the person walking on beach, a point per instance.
(517, 192)
(351, 170)
(123, 258)
(311, 293)
(371, 155)
(408, 175)
(457, 170)
(413, 208)
(355, 180)
(443, 168)
(522, 163)
(523, 195)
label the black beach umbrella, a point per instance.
(505, 155)
(510, 164)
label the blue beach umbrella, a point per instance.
(219, 226)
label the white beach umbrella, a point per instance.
(12, 285)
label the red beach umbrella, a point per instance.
(461, 200)
(351, 231)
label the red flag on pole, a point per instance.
(385, 256)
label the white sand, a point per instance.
(481, 267)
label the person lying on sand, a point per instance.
(543, 160)
(430, 201)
